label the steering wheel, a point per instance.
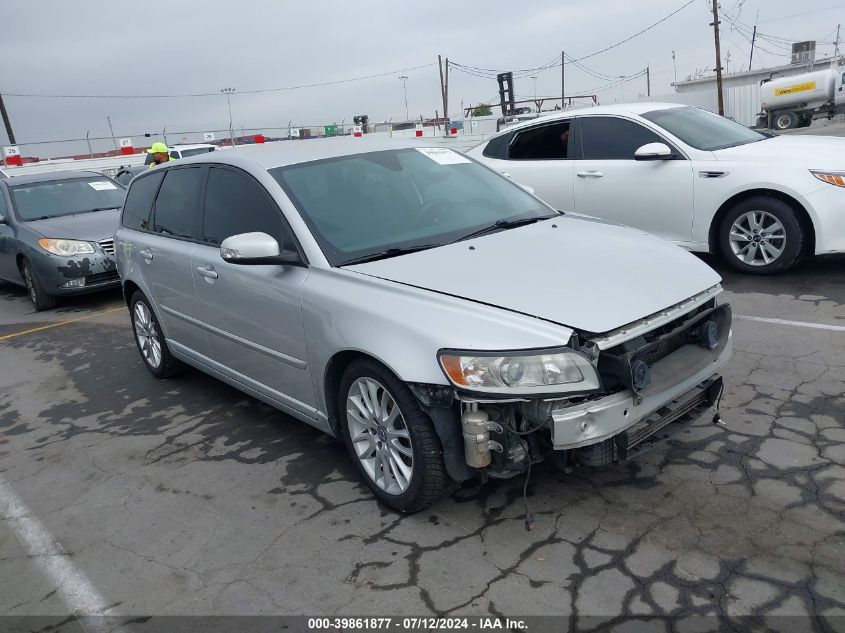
(432, 206)
(429, 208)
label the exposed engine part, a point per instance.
(519, 442)
(476, 426)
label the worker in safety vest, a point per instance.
(160, 154)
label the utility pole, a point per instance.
(405, 90)
(675, 67)
(562, 80)
(88, 140)
(835, 54)
(444, 91)
(108, 118)
(715, 25)
(753, 39)
(229, 92)
(8, 123)
(647, 81)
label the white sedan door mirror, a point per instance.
(653, 151)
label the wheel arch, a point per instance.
(800, 211)
(332, 375)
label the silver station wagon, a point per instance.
(440, 319)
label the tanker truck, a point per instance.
(789, 102)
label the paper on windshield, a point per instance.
(442, 155)
(102, 185)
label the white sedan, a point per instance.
(692, 177)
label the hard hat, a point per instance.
(158, 148)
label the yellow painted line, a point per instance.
(59, 324)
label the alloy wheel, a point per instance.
(379, 435)
(757, 238)
(30, 285)
(147, 335)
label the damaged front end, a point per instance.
(603, 398)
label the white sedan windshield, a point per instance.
(701, 129)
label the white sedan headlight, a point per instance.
(66, 248)
(836, 178)
(521, 373)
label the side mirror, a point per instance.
(528, 189)
(256, 248)
(653, 151)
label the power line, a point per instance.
(798, 15)
(217, 93)
(555, 63)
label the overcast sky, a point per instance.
(166, 47)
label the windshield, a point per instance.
(193, 152)
(366, 204)
(703, 130)
(56, 198)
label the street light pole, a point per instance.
(229, 92)
(535, 87)
(405, 90)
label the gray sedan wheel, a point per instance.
(37, 294)
(391, 440)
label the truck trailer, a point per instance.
(790, 102)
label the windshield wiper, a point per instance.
(98, 209)
(388, 252)
(501, 225)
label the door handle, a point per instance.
(207, 271)
(147, 254)
(589, 174)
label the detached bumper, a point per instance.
(593, 422)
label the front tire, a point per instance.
(150, 340)
(761, 236)
(37, 294)
(391, 441)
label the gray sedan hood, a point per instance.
(585, 274)
(93, 226)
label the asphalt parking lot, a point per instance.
(142, 497)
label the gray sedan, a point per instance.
(442, 321)
(56, 233)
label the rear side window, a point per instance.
(544, 142)
(497, 147)
(176, 204)
(236, 203)
(609, 138)
(139, 202)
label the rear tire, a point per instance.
(396, 449)
(37, 293)
(761, 236)
(785, 121)
(150, 340)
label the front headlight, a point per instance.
(553, 371)
(836, 178)
(66, 248)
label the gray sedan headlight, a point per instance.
(66, 248)
(524, 373)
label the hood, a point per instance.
(91, 227)
(584, 274)
(812, 152)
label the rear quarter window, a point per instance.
(139, 202)
(497, 147)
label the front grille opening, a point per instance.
(101, 278)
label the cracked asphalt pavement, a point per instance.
(187, 497)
